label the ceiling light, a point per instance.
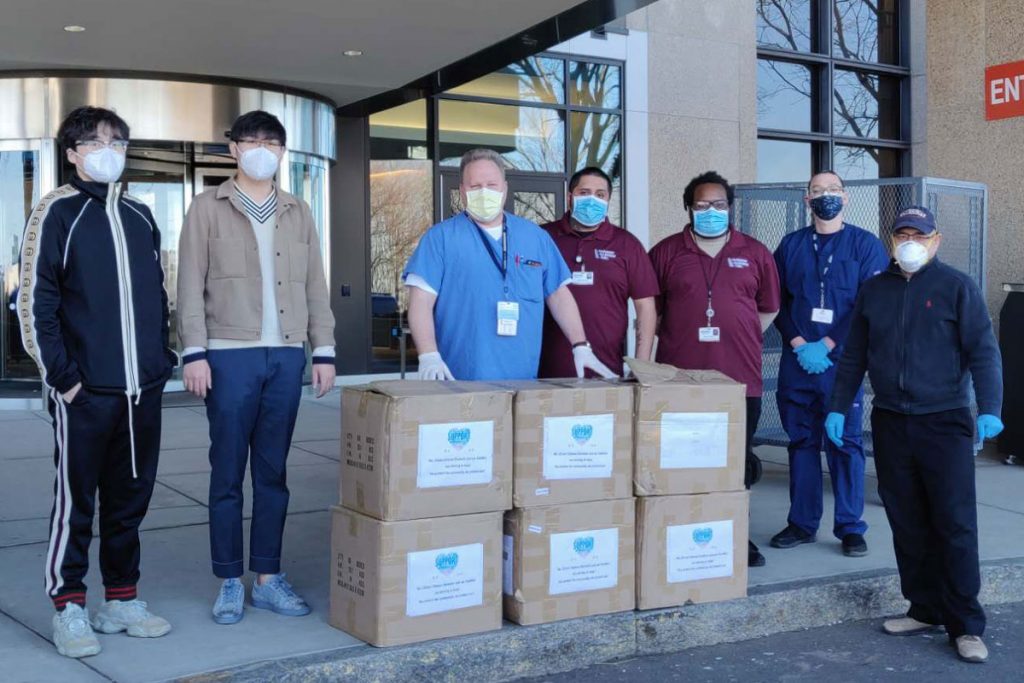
(353, 53)
(73, 28)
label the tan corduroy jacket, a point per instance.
(220, 292)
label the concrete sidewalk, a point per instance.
(178, 584)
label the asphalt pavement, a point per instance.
(844, 653)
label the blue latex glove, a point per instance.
(813, 357)
(989, 426)
(835, 423)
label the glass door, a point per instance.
(25, 174)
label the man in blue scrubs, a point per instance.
(821, 268)
(478, 283)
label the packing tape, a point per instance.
(364, 402)
(353, 525)
(360, 496)
(579, 402)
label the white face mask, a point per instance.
(484, 204)
(911, 256)
(259, 163)
(104, 165)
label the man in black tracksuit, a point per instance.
(94, 317)
(922, 331)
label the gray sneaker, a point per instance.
(132, 616)
(277, 596)
(72, 633)
(230, 605)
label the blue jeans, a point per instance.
(252, 409)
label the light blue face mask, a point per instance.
(710, 222)
(589, 210)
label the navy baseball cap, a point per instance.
(917, 217)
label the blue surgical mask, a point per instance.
(827, 206)
(589, 210)
(710, 222)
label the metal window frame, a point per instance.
(822, 65)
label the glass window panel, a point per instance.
(783, 161)
(538, 207)
(19, 192)
(528, 138)
(783, 95)
(597, 141)
(401, 210)
(866, 163)
(865, 105)
(595, 85)
(785, 24)
(866, 30)
(534, 79)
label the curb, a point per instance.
(522, 651)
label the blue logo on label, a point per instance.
(702, 536)
(458, 437)
(582, 433)
(583, 545)
(446, 562)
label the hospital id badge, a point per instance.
(709, 334)
(822, 315)
(508, 318)
(583, 277)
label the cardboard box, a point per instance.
(573, 441)
(690, 431)
(413, 450)
(403, 582)
(691, 548)
(568, 561)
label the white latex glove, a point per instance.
(584, 358)
(432, 367)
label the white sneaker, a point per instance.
(132, 616)
(72, 633)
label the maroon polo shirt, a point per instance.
(744, 283)
(622, 271)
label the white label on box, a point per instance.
(455, 454)
(507, 566)
(444, 579)
(699, 551)
(694, 440)
(535, 529)
(584, 561)
(542, 491)
(579, 447)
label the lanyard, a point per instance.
(822, 272)
(502, 265)
(709, 280)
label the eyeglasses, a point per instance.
(94, 145)
(901, 237)
(819, 191)
(720, 204)
(272, 145)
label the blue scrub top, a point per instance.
(451, 258)
(857, 255)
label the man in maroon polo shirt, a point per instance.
(609, 266)
(719, 293)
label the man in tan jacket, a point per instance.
(251, 290)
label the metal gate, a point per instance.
(769, 212)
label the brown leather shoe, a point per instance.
(906, 626)
(971, 649)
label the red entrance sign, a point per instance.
(1004, 91)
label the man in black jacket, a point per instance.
(921, 330)
(94, 317)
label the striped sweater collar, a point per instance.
(260, 213)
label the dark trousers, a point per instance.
(252, 409)
(925, 467)
(93, 450)
(803, 411)
(753, 469)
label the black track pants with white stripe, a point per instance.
(93, 452)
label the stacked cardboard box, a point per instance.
(416, 545)
(569, 543)
(692, 510)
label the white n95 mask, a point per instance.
(259, 163)
(104, 165)
(911, 256)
